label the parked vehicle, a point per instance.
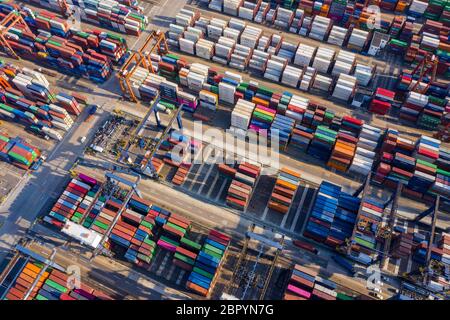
(305, 246)
(92, 110)
(345, 264)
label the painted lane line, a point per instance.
(220, 191)
(300, 206)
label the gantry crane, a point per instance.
(426, 67)
(64, 8)
(4, 84)
(20, 259)
(13, 18)
(156, 41)
(363, 189)
(133, 185)
(443, 132)
(386, 232)
(424, 272)
(146, 167)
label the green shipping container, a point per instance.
(163, 238)
(191, 244)
(203, 272)
(214, 249)
(364, 243)
(147, 224)
(183, 258)
(150, 242)
(426, 163)
(56, 286)
(176, 227)
(101, 225)
(144, 258)
(341, 296)
(212, 253)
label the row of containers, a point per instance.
(334, 221)
(428, 109)
(333, 216)
(306, 284)
(124, 16)
(284, 190)
(397, 31)
(352, 24)
(32, 280)
(49, 40)
(414, 42)
(344, 143)
(186, 147)
(139, 230)
(440, 252)
(320, 69)
(244, 177)
(418, 165)
(288, 14)
(316, 26)
(241, 46)
(27, 98)
(17, 152)
(414, 245)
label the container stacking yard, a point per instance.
(139, 231)
(103, 163)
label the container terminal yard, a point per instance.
(224, 150)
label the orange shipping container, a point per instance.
(284, 191)
(29, 273)
(291, 172)
(286, 184)
(260, 101)
(197, 288)
(33, 267)
(280, 199)
(401, 6)
(278, 207)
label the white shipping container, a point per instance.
(226, 92)
(337, 35)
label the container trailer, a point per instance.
(305, 246)
(345, 264)
(92, 110)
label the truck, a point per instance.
(38, 163)
(92, 110)
(305, 246)
(344, 263)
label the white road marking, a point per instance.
(162, 266)
(171, 271)
(309, 208)
(397, 266)
(213, 185)
(266, 209)
(299, 209)
(180, 277)
(300, 205)
(409, 265)
(199, 171)
(220, 191)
